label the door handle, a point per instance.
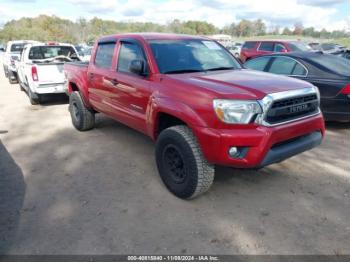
(114, 82)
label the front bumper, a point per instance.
(262, 145)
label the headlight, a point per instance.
(236, 111)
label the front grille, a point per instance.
(292, 108)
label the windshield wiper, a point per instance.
(183, 71)
(220, 68)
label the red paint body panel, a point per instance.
(215, 143)
(138, 102)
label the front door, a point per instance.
(131, 92)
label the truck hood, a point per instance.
(241, 83)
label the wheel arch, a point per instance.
(166, 112)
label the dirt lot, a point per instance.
(98, 192)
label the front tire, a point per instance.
(83, 118)
(181, 164)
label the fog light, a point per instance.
(233, 151)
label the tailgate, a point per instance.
(50, 73)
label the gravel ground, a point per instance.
(98, 192)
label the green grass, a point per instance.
(343, 41)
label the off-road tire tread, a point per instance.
(205, 171)
(87, 116)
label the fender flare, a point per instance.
(83, 91)
(174, 108)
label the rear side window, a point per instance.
(286, 66)
(327, 46)
(266, 46)
(17, 48)
(333, 63)
(249, 45)
(257, 63)
(104, 55)
(128, 52)
(279, 48)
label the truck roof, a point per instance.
(153, 36)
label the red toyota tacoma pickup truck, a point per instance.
(192, 97)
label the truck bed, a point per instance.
(79, 63)
(76, 72)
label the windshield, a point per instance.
(334, 63)
(299, 46)
(46, 52)
(17, 48)
(87, 51)
(182, 56)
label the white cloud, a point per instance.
(317, 13)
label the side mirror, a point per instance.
(137, 67)
(283, 50)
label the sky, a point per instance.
(328, 14)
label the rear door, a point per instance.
(100, 85)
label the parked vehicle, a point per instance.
(40, 69)
(345, 54)
(328, 48)
(196, 101)
(235, 49)
(331, 74)
(252, 49)
(86, 54)
(12, 55)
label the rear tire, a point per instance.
(6, 72)
(12, 77)
(34, 98)
(83, 118)
(181, 164)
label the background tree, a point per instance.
(298, 29)
(287, 31)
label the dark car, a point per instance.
(345, 54)
(328, 48)
(331, 74)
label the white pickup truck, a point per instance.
(11, 57)
(40, 69)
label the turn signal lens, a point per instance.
(35, 73)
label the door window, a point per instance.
(128, 52)
(279, 48)
(104, 55)
(266, 46)
(257, 63)
(249, 45)
(286, 66)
